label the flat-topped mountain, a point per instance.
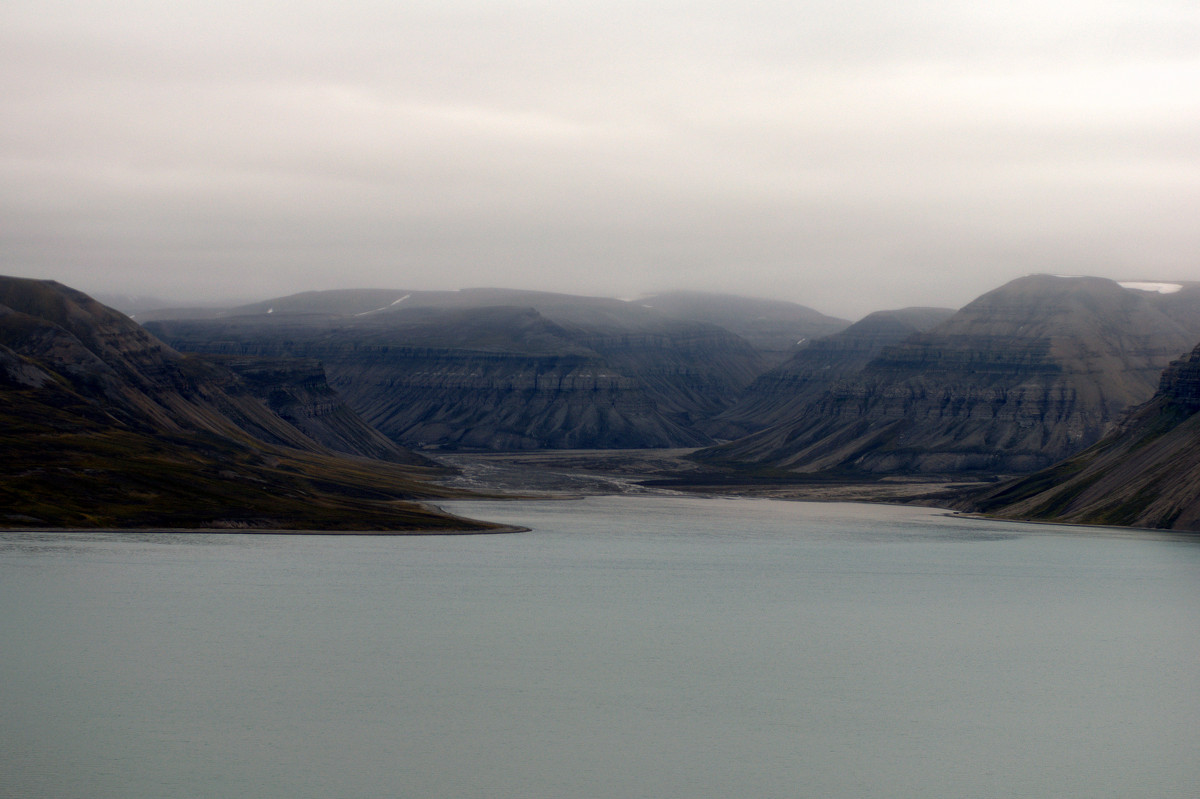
(1022, 377)
(1146, 473)
(497, 369)
(104, 425)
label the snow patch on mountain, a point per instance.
(1161, 288)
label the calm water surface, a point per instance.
(627, 647)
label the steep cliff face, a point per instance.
(1022, 377)
(437, 371)
(774, 397)
(1145, 473)
(102, 424)
(504, 401)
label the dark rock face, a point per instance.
(1019, 379)
(98, 347)
(1145, 473)
(505, 402)
(433, 370)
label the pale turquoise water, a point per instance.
(628, 647)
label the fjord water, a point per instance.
(626, 647)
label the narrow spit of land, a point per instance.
(668, 471)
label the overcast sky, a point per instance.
(850, 155)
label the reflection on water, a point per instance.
(626, 647)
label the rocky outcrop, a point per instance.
(503, 401)
(433, 370)
(1146, 473)
(1024, 376)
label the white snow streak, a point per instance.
(1161, 288)
(384, 308)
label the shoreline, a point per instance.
(572, 474)
(499, 529)
(1106, 530)
(577, 474)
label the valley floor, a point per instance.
(667, 471)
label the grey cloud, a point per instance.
(847, 155)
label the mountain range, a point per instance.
(1027, 374)
(816, 365)
(326, 394)
(508, 370)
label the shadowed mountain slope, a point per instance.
(497, 369)
(1146, 473)
(104, 425)
(1022, 377)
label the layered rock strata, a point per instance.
(562, 373)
